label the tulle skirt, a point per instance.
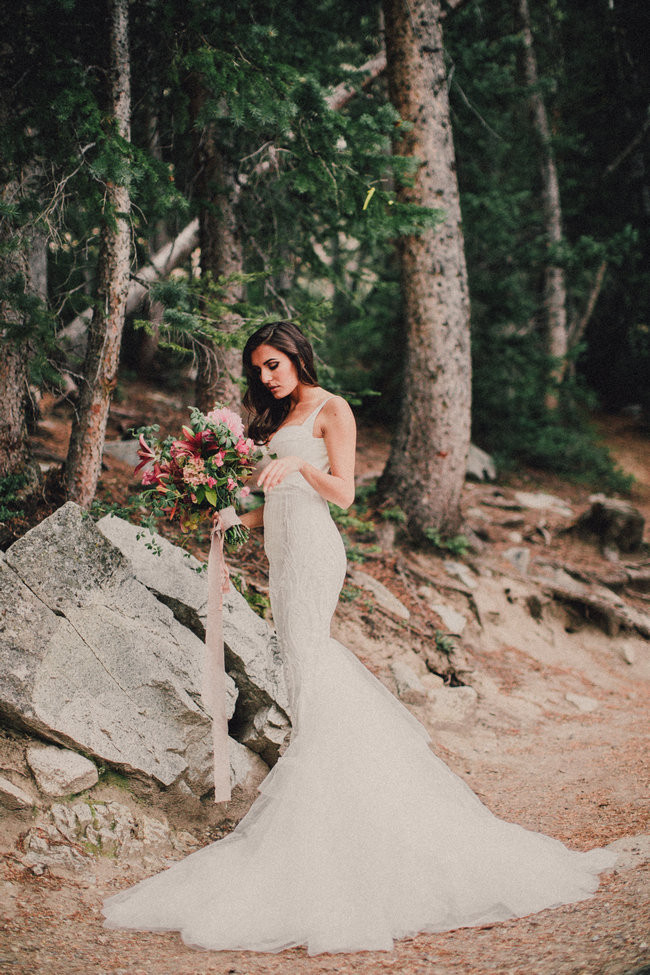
(361, 834)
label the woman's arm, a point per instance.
(336, 423)
(253, 519)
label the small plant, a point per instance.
(456, 545)
(394, 514)
(10, 500)
(349, 521)
(349, 593)
(259, 602)
(108, 776)
(444, 643)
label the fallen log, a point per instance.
(165, 260)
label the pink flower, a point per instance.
(194, 471)
(245, 491)
(242, 446)
(230, 419)
(149, 477)
(232, 484)
(217, 459)
(211, 481)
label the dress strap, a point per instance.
(312, 416)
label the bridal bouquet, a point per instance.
(203, 470)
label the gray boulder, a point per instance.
(59, 771)
(90, 659)
(480, 466)
(252, 656)
(12, 796)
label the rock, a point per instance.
(582, 702)
(639, 579)
(613, 522)
(153, 833)
(480, 466)
(12, 796)
(65, 820)
(90, 658)
(410, 688)
(616, 524)
(383, 596)
(46, 847)
(70, 831)
(125, 451)
(266, 733)
(461, 572)
(543, 502)
(82, 813)
(453, 621)
(519, 559)
(247, 769)
(59, 771)
(453, 705)
(252, 656)
(558, 577)
(172, 575)
(628, 653)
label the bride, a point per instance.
(360, 834)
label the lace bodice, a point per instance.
(298, 440)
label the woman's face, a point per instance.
(275, 370)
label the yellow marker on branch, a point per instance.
(369, 196)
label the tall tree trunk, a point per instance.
(427, 464)
(220, 241)
(23, 261)
(105, 331)
(150, 340)
(219, 367)
(555, 312)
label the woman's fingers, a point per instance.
(275, 472)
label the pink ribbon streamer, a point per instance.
(213, 691)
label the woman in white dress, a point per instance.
(360, 834)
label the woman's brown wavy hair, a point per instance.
(266, 413)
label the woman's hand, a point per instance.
(225, 518)
(276, 471)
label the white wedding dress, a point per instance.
(361, 834)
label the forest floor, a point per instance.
(530, 756)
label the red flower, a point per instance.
(145, 453)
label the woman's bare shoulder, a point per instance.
(336, 415)
(336, 405)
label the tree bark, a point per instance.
(105, 331)
(426, 468)
(219, 367)
(555, 312)
(220, 242)
(23, 260)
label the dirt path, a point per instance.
(581, 777)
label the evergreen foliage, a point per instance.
(315, 190)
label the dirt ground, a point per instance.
(531, 756)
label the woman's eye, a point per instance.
(273, 365)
